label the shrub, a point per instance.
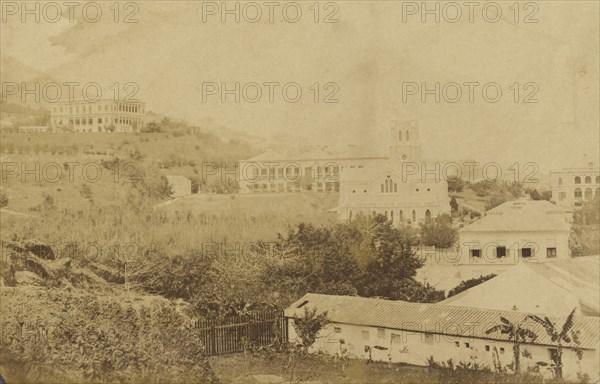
(3, 200)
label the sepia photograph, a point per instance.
(300, 192)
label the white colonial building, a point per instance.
(417, 334)
(521, 230)
(572, 186)
(404, 188)
(106, 115)
(304, 169)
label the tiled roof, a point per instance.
(522, 215)
(433, 318)
(317, 153)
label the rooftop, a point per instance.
(551, 287)
(522, 215)
(433, 318)
(317, 153)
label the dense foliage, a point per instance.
(55, 336)
(439, 232)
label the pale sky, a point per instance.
(369, 54)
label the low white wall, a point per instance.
(416, 348)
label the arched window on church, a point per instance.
(407, 137)
(395, 187)
(392, 216)
(414, 216)
(399, 135)
(386, 214)
(401, 216)
(350, 216)
(387, 186)
(381, 188)
(428, 215)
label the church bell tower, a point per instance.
(404, 139)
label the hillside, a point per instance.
(68, 324)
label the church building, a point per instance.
(406, 189)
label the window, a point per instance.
(597, 179)
(456, 344)
(560, 181)
(578, 193)
(588, 193)
(429, 338)
(551, 252)
(562, 195)
(337, 329)
(407, 136)
(500, 251)
(577, 180)
(588, 179)
(526, 252)
(501, 349)
(381, 333)
(467, 345)
(553, 355)
(414, 215)
(399, 135)
(365, 335)
(487, 348)
(396, 338)
(475, 252)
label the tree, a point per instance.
(558, 335)
(517, 334)
(589, 213)
(151, 127)
(390, 259)
(455, 184)
(309, 325)
(482, 188)
(454, 204)
(466, 284)
(535, 195)
(439, 232)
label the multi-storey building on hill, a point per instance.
(105, 115)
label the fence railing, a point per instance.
(240, 333)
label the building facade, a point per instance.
(314, 169)
(572, 186)
(404, 188)
(105, 115)
(419, 334)
(521, 230)
(34, 129)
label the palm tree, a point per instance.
(557, 335)
(517, 334)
